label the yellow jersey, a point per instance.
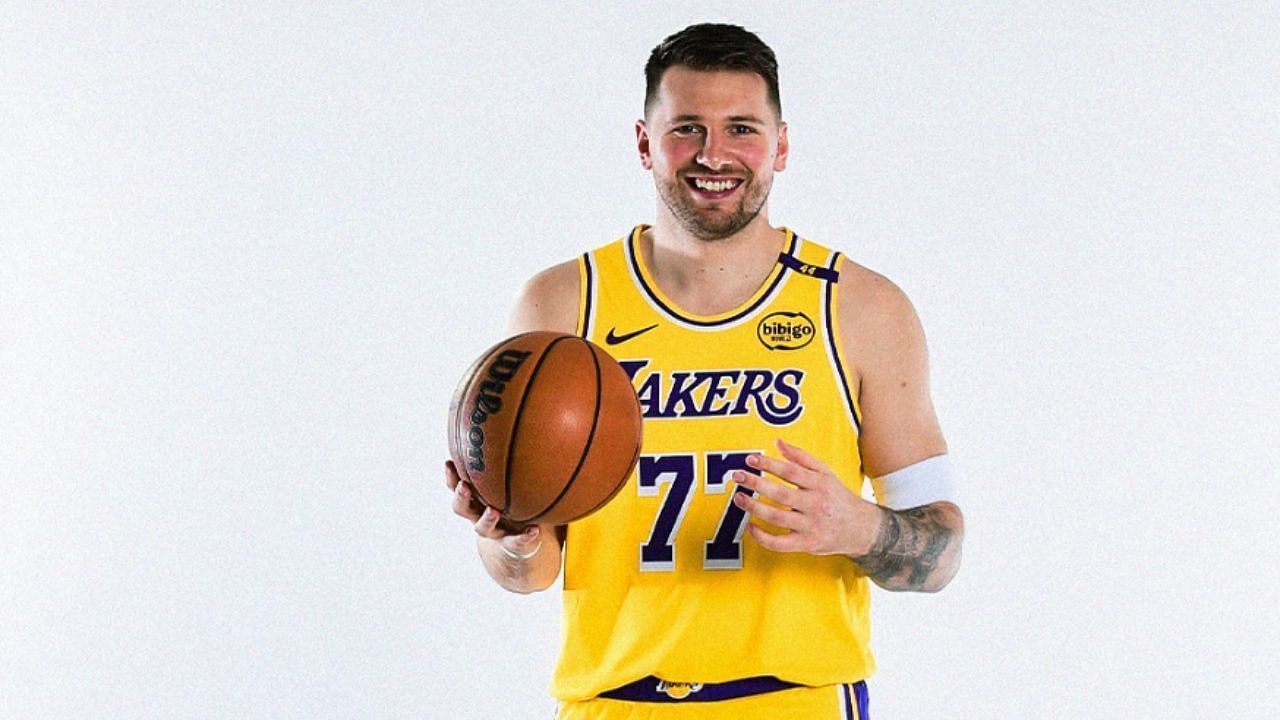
(663, 580)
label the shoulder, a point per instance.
(874, 309)
(549, 300)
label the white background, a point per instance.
(247, 249)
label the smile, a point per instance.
(714, 186)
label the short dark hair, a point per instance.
(713, 46)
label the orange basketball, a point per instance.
(545, 427)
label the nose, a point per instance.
(714, 154)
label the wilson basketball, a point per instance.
(545, 427)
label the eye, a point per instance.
(686, 129)
(742, 130)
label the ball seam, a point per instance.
(586, 446)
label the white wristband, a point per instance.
(519, 556)
(928, 481)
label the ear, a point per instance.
(784, 146)
(642, 144)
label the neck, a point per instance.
(710, 276)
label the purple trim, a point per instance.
(864, 700)
(646, 690)
(586, 447)
(515, 424)
(589, 295)
(634, 257)
(835, 351)
(848, 703)
(804, 268)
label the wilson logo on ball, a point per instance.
(785, 331)
(489, 402)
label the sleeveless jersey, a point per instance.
(663, 580)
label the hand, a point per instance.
(518, 545)
(820, 515)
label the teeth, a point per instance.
(714, 185)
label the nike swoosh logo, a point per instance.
(612, 339)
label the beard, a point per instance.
(716, 224)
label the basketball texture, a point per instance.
(545, 427)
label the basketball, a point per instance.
(545, 427)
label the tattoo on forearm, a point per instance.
(908, 548)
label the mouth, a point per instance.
(713, 187)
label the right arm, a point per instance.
(528, 561)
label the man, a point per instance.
(730, 577)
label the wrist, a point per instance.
(517, 555)
(869, 528)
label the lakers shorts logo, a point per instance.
(678, 691)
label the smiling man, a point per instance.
(731, 577)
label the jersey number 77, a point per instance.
(723, 551)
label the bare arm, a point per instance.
(527, 561)
(917, 548)
(912, 549)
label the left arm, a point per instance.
(909, 549)
(915, 549)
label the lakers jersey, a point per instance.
(663, 580)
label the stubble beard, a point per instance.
(706, 226)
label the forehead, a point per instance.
(684, 91)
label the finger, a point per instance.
(464, 503)
(487, 524)
(775, 491)
(451, 477)
(785, 542)
(781, 517)
(801, 457)
(790, 472)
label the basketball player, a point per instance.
(730, 578)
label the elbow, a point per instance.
(949, 563)
(943, 576)
(938, 577)
(926, 553)
(939, 560)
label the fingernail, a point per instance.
(532, 532)
(753, 460)
(463, 491)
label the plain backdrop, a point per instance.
(246, 249)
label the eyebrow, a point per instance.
(731, 118)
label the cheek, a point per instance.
(677, 152)
(756, 154)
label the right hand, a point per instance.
(485, 519)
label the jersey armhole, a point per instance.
(840, 364)
(586, 296)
